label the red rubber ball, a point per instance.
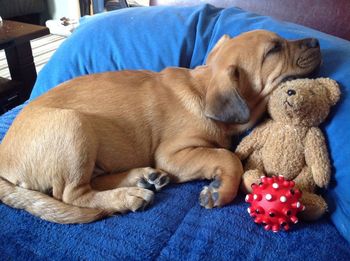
(274, 203)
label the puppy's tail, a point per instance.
(46, 207)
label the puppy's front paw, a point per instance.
(154, 179)
(209, 196)
(220, 192)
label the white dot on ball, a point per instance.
(247, 198)
(298, 204)
(275, 186)
(255, 196)
(268, 196)
(248, 209)
(283, 199)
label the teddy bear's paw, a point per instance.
(249, 178)
(315, 206)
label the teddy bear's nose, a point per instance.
(291, 92)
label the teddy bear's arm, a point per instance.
(253, 141)
(316, 156)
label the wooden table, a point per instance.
(15, 39)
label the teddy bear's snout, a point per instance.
(291, 92)
(292, 100)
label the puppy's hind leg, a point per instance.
(79, 154)
(148, 178)
(57, 151)
(116, 200)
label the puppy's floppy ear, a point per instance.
(212, 53)
(223, 101)
(332, 88)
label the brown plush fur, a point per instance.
(291, 144)
(96, 144)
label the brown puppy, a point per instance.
(93, 142)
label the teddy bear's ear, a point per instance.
(332, 88)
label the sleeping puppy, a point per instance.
(96, 144)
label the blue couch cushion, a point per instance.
(176, 227)
(136, 38)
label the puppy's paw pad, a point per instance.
(209, 196)
(155, 180)
(215, 184)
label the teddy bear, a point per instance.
(290, 143)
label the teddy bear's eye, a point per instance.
(291, 92)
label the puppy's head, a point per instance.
(247, 68)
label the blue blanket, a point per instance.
(175, 227)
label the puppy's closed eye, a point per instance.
(276, 47)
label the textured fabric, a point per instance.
(176, 227)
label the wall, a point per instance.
(64, 8)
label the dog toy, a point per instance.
(291, 144)
(274, 203)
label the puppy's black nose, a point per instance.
(313, 43)
(291, 92)
(310, 43)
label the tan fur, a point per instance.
(93, 143)
(291, 144)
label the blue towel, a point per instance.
(175, 227)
